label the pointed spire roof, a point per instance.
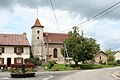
(37, 23)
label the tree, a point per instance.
(80, 48)
(110, 54)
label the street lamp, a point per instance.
(47, 58)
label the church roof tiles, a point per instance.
(55, 37)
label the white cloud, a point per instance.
(105, 31)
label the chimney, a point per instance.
(24, 36)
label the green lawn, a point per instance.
(61, 67)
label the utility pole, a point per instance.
(47, 56)
(64, 55)
(82, 33)
(67, 55)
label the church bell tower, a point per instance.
(37, 39)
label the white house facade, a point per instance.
(14, 48)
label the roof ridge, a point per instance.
(54, 33)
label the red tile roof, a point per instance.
(13, 39)
(55, 37)
(37, 23)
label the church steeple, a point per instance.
(37, 24)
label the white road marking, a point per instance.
(5, 78)
(48, 77)
(115, 76)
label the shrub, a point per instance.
(51, 64)
(36, 61)
(13, 70)
(112, 63)
(18, 68)
(118, 61)
(90, 66)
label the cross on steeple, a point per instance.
(37, 13)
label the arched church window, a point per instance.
(55, 53)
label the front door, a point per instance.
(8, 62)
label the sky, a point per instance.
(18, 16)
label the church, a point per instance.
(45, 45)
(14, 48)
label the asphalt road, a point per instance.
(97, 74)
(39, 75)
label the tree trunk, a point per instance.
(76, 63)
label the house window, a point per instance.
(38, 32)
(1, 60)
(1, 50)
(55, 53)
(18, 60)
(18, 50)
(100, 58)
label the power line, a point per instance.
(54, 14)
(98, 15)
(101, 16)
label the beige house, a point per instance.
(14, 48)
(100, 57)
(46, 45)
(117, 56)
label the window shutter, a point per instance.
(15, 61)
(22, 49)
(2, 49)
(2, 60)
(21, 60)
(15, 50)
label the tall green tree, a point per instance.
(110, 54)
(80, 48)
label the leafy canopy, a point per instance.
(80, 48)
(110, 54)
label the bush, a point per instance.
(18, 68)
(112, 63)
(90, 66)
(118, 61)
(36, 61)
(51, 64)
